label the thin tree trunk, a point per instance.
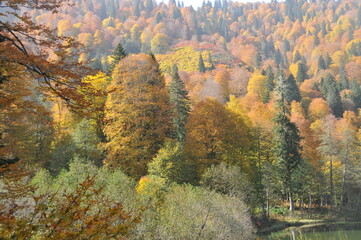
(260, 175)
(267, 194)
(292, 207)
(344, 187)
(331, 182)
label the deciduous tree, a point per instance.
(137, 114)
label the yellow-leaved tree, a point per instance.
(137, 114)
(257, 85)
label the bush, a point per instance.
(116, 185)
(228, 180)
(195, 213)
(279, 210)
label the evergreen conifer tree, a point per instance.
(332, 95)
(297, 57)
(258, 60)
(118, 54)
(344, 83)
(291, 90)
(180, 105)
(321, 63)
(287, 141)
(323, 29)
(359, 17)
(136, 8)
(301, 73)
(356, 94)
(201, 67)
(316, 39)
(328, 61)
(269, 83)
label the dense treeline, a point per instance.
(155, 121)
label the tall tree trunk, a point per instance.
(331, 181)
(261, 176)
(292, 207)
(344, 187)
(267, 202)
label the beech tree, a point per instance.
(85, 213)
(329, 148)
(38, 51)
(137, 114)
(33, 57)
(215, 134)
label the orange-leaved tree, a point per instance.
(215, 134)
(32, 49)
(34, 61)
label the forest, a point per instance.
(134, 119)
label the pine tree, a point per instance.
(297, 57)
(118, 54)
(201, 67)
(316, 39)
(258, 59)
(332, 95)
(356, 94)
(328, 61)
(287, 45)
(292, 93)
(323, 29)
(136, 8)
(321, 63)
(287, 141)
(269, 83)
(359, 16)
(334, 101)
(149, 5)
(179, 101)
(137, 114)
(344, 83)
(301, 73)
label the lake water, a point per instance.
(320, 232)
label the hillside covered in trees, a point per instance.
(146, 120)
